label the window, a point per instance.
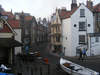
(98, 18)
(5, 17)
(82, 26)
(82, 12)
(26, 32)
(56, 29)
(89, 25)
(66, 38)
(74, 25)
(96, 39)
(57, 38)
(81, 39)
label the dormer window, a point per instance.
(5, 17)
(82, 12)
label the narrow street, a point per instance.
(53, 60)
(35, 35)
(31, 65)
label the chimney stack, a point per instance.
(89, 4)
(74, 4)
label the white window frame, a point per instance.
(82, 12)
(81, 41)
(82, 27)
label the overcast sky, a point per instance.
(38, 8)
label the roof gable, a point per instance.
(80, 7)
(5, 27)
(56, 18)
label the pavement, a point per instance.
(92, 62)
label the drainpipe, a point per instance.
(86, 35)
(90, 45)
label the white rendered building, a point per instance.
(75, 30)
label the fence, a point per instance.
(29, 65)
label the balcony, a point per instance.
(56, 43)
(55, 33)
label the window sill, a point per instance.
(83, 43)
(82, 16)
(82, 30)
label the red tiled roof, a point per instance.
(14, 23)
(5, 29)
(9, 14)
(66, 14)
(97, 7)
(63, 14)
(27, 18)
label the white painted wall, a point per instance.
(18, 38)
(94, 46)
(75, 19)
(66, 34)
(73, 32)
